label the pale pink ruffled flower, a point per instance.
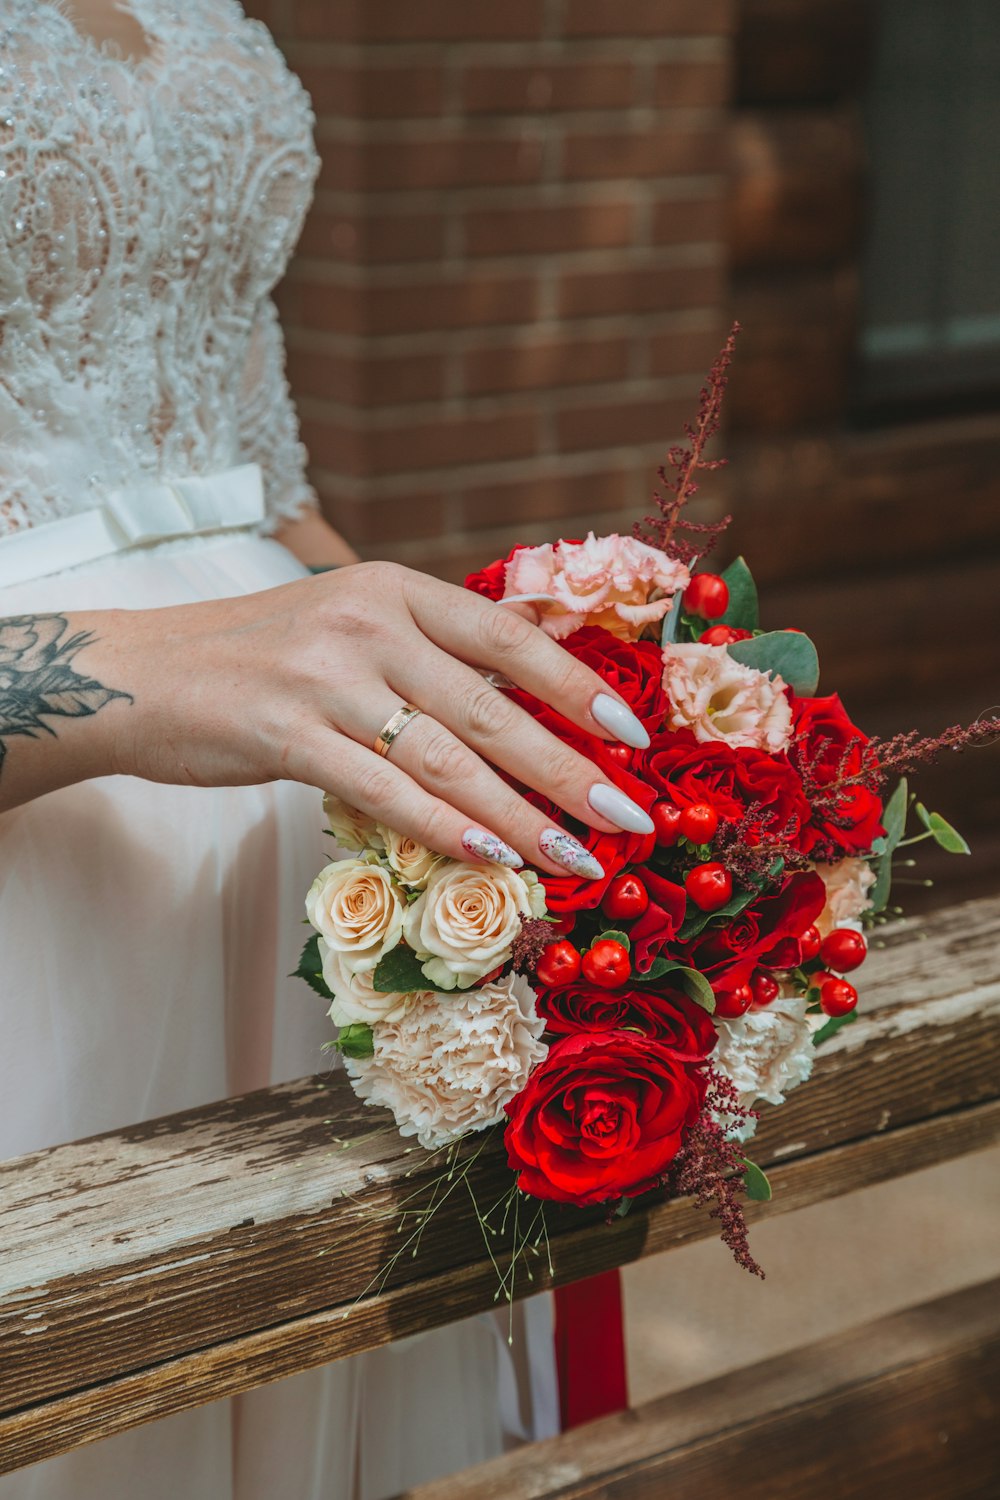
(848, 883)
(614, 581)
(721, 700)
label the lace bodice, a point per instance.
(147, 209)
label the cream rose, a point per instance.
(450, 1064)
(352, 829)
(613, 581)
(357, 911)
(720, 699)
(355, 997)
(848, 883)
(463, 923)
(411, 862)
(765, 1053)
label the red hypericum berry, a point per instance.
(707, 595)
(667, 822)
(620, 753)
(607, 964)
(625, 899)
(733, 1003)
(764, 987)
(559, 964)
(843, 950)
(709, 886)
(724, 635)
(836, 996)
(563, 924)
(809, 945)
(699, 823)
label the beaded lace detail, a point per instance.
(147, 209)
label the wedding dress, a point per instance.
(147, 447)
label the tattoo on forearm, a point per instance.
(37, 681)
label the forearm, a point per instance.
(314, 542)
(62, 698)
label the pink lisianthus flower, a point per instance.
(616, 582)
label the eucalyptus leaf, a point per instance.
(622, 1207)
(757, 1186)
(671, 620)
(743, 612)
(399, 973)
(832, 1027)
(894, 822)
(787, 653)
(311, 968)
(356, 1040)
(949, 838)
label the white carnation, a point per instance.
(449, 1064)
(765, 1053)
(355, 997)
(721, 700)
(463, 923)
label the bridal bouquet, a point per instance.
(622, 1030)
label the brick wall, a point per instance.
(512, 279)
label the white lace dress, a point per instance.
(147, 208)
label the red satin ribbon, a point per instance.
(590, 1349)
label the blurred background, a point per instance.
(534, 224)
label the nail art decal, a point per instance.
(483, 845)
(565, 850)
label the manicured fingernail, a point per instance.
(482, 845)
(619, 809)
(620, 721)
(565, 850)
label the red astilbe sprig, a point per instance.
(660, 529)
(530, 942)
(709, 1167)
(749, 846)
(910, 750)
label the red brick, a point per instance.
(590, 294)
(431, 443)
(358, 379)
(436, 161)
(648, 18)
(668, 150)
(550, 496)
(685, 351)
(534, 229)
(375, 518)
(417, 20)
(688, 221)
(621, 424)
(372, 239)
(692, 85)
(416, 307)
(358, 91)
(494, 89)
(544, 364)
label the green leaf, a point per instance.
(786, 652)
(622, 1207)
(691, 981)
(311, 968)
(399, 973)
(614, 936)
(949, 838)
(671, 620)
(743, 612)
(894, 821)
(696, 921)
(832, 1027)
(356, 1040)
(757, 1185)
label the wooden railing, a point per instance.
(193, 1257)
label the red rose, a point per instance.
(603, 1116)
(728, 954)
(729, 780)
(659, 922)
(830, 749)
(568, 892)
(634, 669)
(667, 1015)
(490, 581)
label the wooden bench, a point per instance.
(193, 1257)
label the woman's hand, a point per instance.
(296, 683)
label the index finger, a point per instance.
(483, 634)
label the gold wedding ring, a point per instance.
(394, 727)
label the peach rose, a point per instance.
(409, 860)
(720, 699)
(352, 829)
(613, 581)
(355, 997)
(463, 923)
(357, 910)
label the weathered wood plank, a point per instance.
(915, 1396)
(244, 1225)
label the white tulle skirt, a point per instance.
(146, 933)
